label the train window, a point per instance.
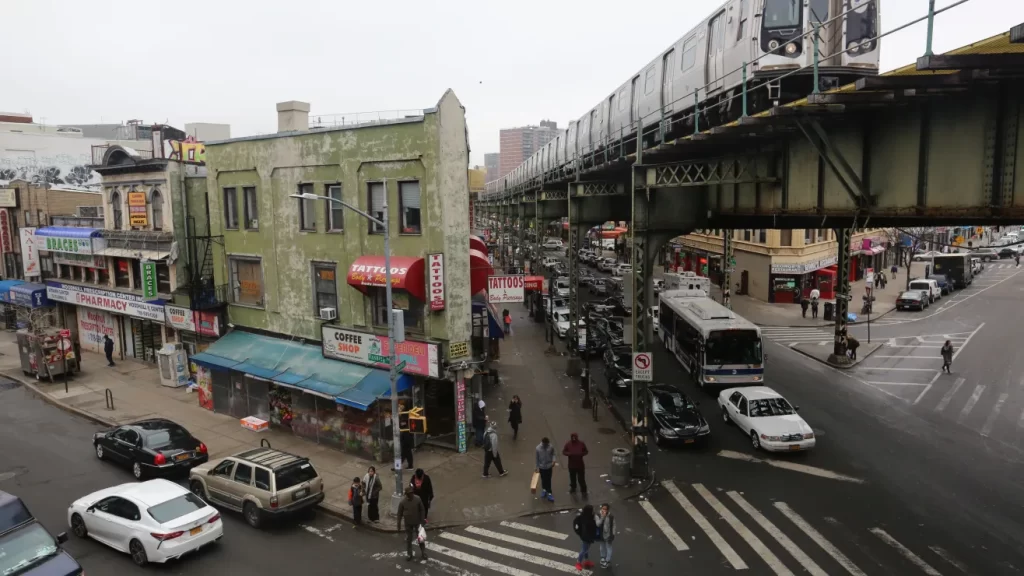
(744, 10)
(623, 98)
(689, 53)
(782, 13)
(649, 80)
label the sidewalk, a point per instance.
(550, 407)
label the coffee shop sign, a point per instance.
(803, 267)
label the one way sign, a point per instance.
(643, 367)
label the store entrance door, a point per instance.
(145, 336)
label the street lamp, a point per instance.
(392, 373)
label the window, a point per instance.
(375, 190)
(28, 217)
(785, 238)
(409, 206)
(251, 210)
(157, 201)
(40, 218)
(782, 13)
(103, 276)
(231, 208)
(325, 287)
(293, 475)
(689, 53)
(746, 235)
(335, 211)
(246, 281)
(224, 468)
(122, 273)
(163, 277)
(307, 209)
(808, 236)
(243, 473)
(263, 479)
(136, 273)
(818, 10)
(412, 308)
(649, 80)
(762, 236)
(176, 508)
(116, 209)
(822, 234)
(744, 11)
(623, 98)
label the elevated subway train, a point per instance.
(776, 39)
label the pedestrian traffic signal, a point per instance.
(412, 421)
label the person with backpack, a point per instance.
(585, 526)
(606, 531)
(491, 453)
(355, 499)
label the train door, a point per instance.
(611, 114)
(634, 105)
(595, 126)
(668, 65)
(715, 68)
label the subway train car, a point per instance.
(702, 70)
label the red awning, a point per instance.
(479, 270)
(406, 274)
(475, 243)
(534, 282)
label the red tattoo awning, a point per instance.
(406, 274)
(534, 282)
(477, 243)
(479, 270)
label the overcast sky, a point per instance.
(510, 63)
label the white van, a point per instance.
(1011, 238)
(931, 286)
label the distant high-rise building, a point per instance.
(491, 165)
(518, 144)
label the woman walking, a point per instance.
(585, 526)
(515, 415)
(424, 488)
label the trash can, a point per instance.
(830, 311)
(619, 473)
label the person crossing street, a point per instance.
(947, 356)
(491, 453)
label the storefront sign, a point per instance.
(137, 209)
(505, 289)
(93, 325)
(204, 323)
(87, 260)
(6, 242)
(119, 302)
(420, 358)
(435, 288)
(460, 414)
(29, 254)
(803, 267)
(458, 350)
(73, 245)
(8, 198)
(148, 279)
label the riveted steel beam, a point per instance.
(597, 188)
(843, 237)
(831, 155)
(555, 195)
(740, 170)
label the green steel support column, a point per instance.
(931, 24)
(639, 238)
(842, 293)
(817, 56)
(745, 89)
(574, 367)
(696, 117)
(728, 266)
(521, 241)
(538, 234)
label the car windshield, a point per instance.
(910, 296)
(732, 347)
(293, 475)
(176, 508)
(22, 548)
(563, 317)
(671, 402)
(169, 438)
(770, 407)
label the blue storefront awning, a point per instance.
(30, 295)
(374, 386)
(5, 290)
(213, 361)
(68, 232)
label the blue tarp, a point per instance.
(376, 385)
(5, 289)
(68, 232)
(213, 361)
(30, 295)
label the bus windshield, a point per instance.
(732, 347)
(782, 13)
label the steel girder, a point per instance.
(830, 154)
(574, 274)
(558, 195)
(639, 236)
(739, 170)
(842, 290)
(727, 268)
(597, 188)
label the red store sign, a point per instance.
(435, 288)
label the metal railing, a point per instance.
(352, 119)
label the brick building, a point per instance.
(518, 144)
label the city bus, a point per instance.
(714, 344)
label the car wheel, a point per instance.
(138, 552)
(99, 452)
(78, 527)
(197, 488)
(725, 416)
(137, 471)
(754, 440)
(252, 515)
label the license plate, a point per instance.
(794, 446)
(183, 456)
(688, 441)
(301, 494)
(195, 531)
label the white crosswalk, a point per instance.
(688, 527)
(808, 335)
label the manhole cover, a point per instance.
(606, 431)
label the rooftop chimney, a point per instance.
(292, 116)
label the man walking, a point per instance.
(108, 349)
(491, 453)
(804, 303)
(411, 510)
(575, 450)
(606, 534)
(545, 462)
(947, 356)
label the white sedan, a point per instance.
(153, 521)
(767, 417)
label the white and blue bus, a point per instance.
(715, 345)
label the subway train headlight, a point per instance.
(773, 45)
(853, 47)
(791, 48)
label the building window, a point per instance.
(231, 208)
(116, 209)
(375, 191)
(246, 281)
(746, 235)
(122, 273)
(325, 287)
(822, 234)
(409, 205)
(40, 218)
(785, 237)
(307, 209)
(252, 210)
(762, 236)
(411, 307)
(808, 236)
(158, 210)
(163, 277)
(136, 273)
(335, 211)
(103, 277)
(28, 217)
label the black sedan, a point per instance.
(675, 418)
(151, 447)
(911, 300)
(618, 368)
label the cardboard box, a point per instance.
(255, 424)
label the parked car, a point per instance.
(911, 300)
(26, 547)
(929, 286)
(562, 288)
(926, 256)
(618, 368)
(599, 287)
(675, 418)
(609, 307)
(608, 331)
(622, 270)
(151, 447)
(944, 284)
(986, 254)
(260, 483)
(552, 244)
(562, 322)
(606, 264)
(767, 418)
(153, 521)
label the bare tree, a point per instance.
(906, 242)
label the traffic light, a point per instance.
(412, 421)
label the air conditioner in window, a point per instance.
(328, 314)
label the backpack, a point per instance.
(577, 524)
(487, 442)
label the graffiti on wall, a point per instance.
(188, 150)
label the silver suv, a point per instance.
(260, 483)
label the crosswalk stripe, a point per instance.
(663, 525)
(535, 530)
(810, 565)
(818, 539)
(561, 567)
(991, 422)
(478, 561)
(753, 541)
(941, 553)
(522, 542)
(978, 390)
(706, 526)
(949, 395)
(905, 552)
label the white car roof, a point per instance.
(753, 392)
(148, 493)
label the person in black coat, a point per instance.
(108, 349)
(515, 415)
(422, 487)
(585, 526)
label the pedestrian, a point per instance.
(108, 349)
(606, 533)
(413, 511)
(408, 442)
(804, 303)
(585, 526)
(947, 356)
(814, 308)
(356, 493)
(491, 453)
(507, 317)
(373, 486)
(479, 423)
(575, 450)
(852, 344)
(545, 463)
(424, 488)
(515, 415)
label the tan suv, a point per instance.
(260, 483)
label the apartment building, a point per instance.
(518, 144)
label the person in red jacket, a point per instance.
(575, 450)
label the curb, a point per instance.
(834, 364)
(854, 323)
(59, 404)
